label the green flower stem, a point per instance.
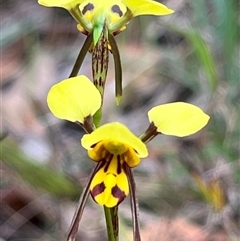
(109, 224)
(114, 213)
(100, 58)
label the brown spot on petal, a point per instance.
(115, 8)
(118, 193)
(88, 7)
(98, 189)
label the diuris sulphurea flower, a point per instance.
(101, 21)
(91, 14)
(117, 148)
(113, 146)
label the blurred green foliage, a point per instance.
(37, 175)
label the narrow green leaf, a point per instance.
(203, 54)
(37, 175)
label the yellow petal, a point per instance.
(178, 119)
(74, 99)
(67, 4)
(109, 187)
(146, 7)
(98, 152)
(115, 132)
(131, 158)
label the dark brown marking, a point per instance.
(88, 7)
(100, 82)
(119, 166)
(124, 166)
(118, 193)
(108, 163)
(98, 189)
(93, 145)
(100, 59)
(115, 8)
(103, 162)
(135, 151)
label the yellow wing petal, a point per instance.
(74, 99)
(146, 7)
(178, 119)
(67, 4)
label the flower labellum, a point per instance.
(116, 147)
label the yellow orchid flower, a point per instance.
(116, 147)
(100, 20)
(92, 14)
(113, 144)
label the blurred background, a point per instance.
(188, 188)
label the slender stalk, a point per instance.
(118, 68)
(134, 205)
(109, 224)
(114, 213)
(149, 134)
(81, 55)
(81, 204)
